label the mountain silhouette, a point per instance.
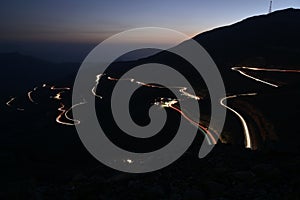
(271, 39)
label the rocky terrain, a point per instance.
(229, 172)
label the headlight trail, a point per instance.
(269, 70)
(62, 88)
(185, 93)
(30, 97)
(182, 90)
(58, 96)
(10, 101)
(171, 104)
(202, 128)
(64, 118)
(9, 104)
(62, 113)
(217, 135)
(239, 69)
(252, 77)
(75, 121)
(245, 127)
(96, 85)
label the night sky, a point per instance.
(30, 25)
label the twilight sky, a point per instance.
(83, 22)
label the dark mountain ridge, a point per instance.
(266, 40)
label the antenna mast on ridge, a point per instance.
(270, 8)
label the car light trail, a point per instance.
(75, 121)
(96, 85)
(65, 119)
(9, 104)
(30, 97)
(270, 70)
(62, 88)
(10, 101)
(239, 69)
(245, 127)
(185, 93)
(182, 90)
(170, 104)
(252, 77)
(202, 128)
(58, 96)
(62, 113)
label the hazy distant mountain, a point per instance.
(21, 72)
